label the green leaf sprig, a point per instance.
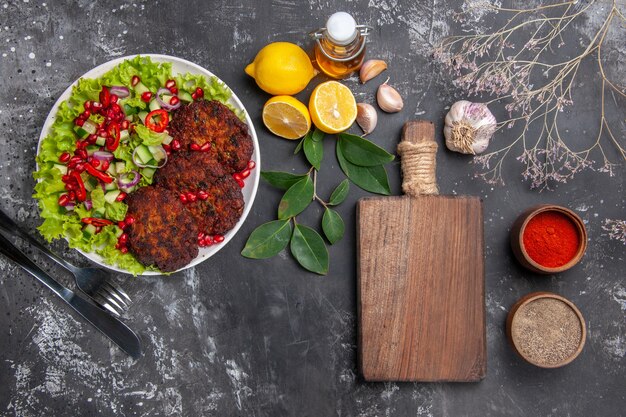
(362, 162)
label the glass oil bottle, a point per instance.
(340, 46)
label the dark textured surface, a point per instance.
(241, 337)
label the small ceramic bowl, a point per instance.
(546, 330)
(517, 238)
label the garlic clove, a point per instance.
(371, 69)
(389, 99)
(366, 117)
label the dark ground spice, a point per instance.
(547, 331)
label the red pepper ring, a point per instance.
(96, 221)
(105, 97)
(157, 120)
(113, 141)
(81, 193)
(102, 176)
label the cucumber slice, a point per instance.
(110, 186)
(89, 230)
(91, 184)
(110, 196)
(142, 116)
(61, 168)
(140, 88)
(166, 98)
(157, 152)
(143, 154)
(99, 213)
(80, 132)
(185, 96)
(90, 127)
(91, 149)
(154, 105)
(168, 139)
(148, 172)
(124, 135)
(100, 141)
(111, 170)
(129, 110)
(120, 167)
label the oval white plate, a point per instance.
(179, 66)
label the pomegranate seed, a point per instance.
(69, 186)
(218, 238)
(199, 92)
(98, 229)
(123, 239)
(114, 98)
(79, 122)
(251, 164)
(241, 183)
(96, 106)
(208, 241)
(92, 139)
(174, 90)
(183, 197)
(121, 196)
(205, 147)
(64, 157)
(80, 167)
(75, 159)
(200, 235)
(237, 176)
(87, 105)
(146, 96)
(95, 163)
(245, 173)
(135, 80)
(124, 125)
(166, 147)
(121, 225)
(65, 178)
(202, 195)
(103, 133)
(191, 197)
(63, 200)
(175, 145)
(86, 114)
(194, 147)
(201, 243)
(115, 109)
(129, 220)
(124, 249)
(71, 195)
(105, 165)
(170, 83)
(174, 101)
(194, 96)
(82, 153)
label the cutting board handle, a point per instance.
(418, 151)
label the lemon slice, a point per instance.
(286, 117)
(332, 107)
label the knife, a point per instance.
(113, 328)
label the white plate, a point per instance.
(179, 66)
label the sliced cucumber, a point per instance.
(91, 149)
(185, 96)
(111, 170)
(100, 141)
(80, 132)
(157, 152)
(61, 168)
(129, 110)
(90, 184)
(99, 213)
(166, 98)
(120, 167)
(143, 154)
(168, 139)
(89, 230)
(148, 172)
(142, 116)
(154, 105)
(124, 135)
(110, 196)
(110, 186)
(86, 129)
(140, 88)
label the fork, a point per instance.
(94, 282)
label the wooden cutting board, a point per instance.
(421, 283)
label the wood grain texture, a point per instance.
(420, 278)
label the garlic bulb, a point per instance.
(388, 98)
(366, 117)
(469, 127)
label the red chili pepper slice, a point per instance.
(157, 120)
(96, 221)
(113, 141)
(105, 97)
(102, 176)
(81, 193)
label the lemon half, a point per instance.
(286, 117)
(332, 107)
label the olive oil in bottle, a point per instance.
(340, 46)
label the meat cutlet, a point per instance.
(199, 171)
(163, 234)
(212, 122)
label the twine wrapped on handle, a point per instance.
(418, 167)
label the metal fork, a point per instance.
(94, 282)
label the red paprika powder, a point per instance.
(551, 239)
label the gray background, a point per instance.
(264, 338)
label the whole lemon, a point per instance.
(281, 68)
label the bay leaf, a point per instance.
(268, 240)
(308, 247)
